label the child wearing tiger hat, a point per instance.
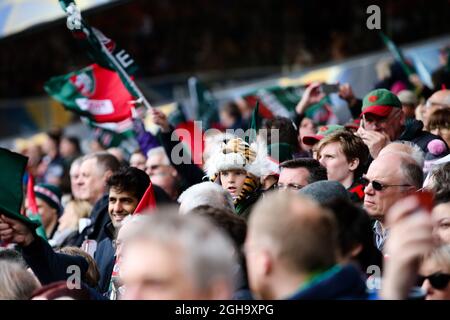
(238, 167)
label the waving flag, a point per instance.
(93, 92)
(148, 201)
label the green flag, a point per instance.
(11, 191)
(254, 125)
(397, 53)
(100, 48)
(204, 101)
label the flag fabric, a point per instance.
(148, 201)
(189, 133)
(93, 92)
(254, 125)
(397, 53)
(11, 190)
(93, 40)
(204, 101)
(33, 212)
(275, 101)
(280, 101)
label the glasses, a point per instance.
(437, 280)
(378, 186)
(288, 186)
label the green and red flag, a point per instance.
(103, 50)
(92, 92)
(397, 53)
(32, 208)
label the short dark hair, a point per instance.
(233, 225)
(287, 131)
(355, 228)
(131, 180)
(232, 109)
(316, 171)
(74, 141)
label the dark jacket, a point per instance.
(243, 208)
(414, 132)
(104, 257)
(99, 218)
(339, 283)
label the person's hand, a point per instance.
(415, 80)
(160, 119)
(410, 238)
(346, 93)
(311, 96)
(15, 231)
(374, 140)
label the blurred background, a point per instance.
(232, 46)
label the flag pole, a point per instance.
(74, 21)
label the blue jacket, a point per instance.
(341, 283)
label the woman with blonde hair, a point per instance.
(74, 212)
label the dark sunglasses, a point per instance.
(378, 186)
(437, 280)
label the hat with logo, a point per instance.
(380, 102)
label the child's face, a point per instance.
(233, 181)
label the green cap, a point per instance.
(380, 102)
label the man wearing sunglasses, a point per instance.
(383, 121)
(390, 177)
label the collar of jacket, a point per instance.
(412, 128)
(343, 282)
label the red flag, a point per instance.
(147, 202)
(31, 197)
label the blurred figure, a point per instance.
(230, 116)
(441, 220)
(161, 172)
(439, 124)
(280, 130)
(48, 201)
(60, 291)
(52, 166)
(16, 283)
(299, 264)
(409, 103)
(410, 238)
(297, 173)
(205, 193)
(434, 274)
(177, 257)
(69, 149)
(68, 223)
(92, 276)
(138, 160)
(439, 100)
(74, 177)
(118, 153)
(306, 128)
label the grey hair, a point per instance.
(206, 252)
(16, 283)
(411, 171)
(414, 151)
(205, 193)
(159, 151)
